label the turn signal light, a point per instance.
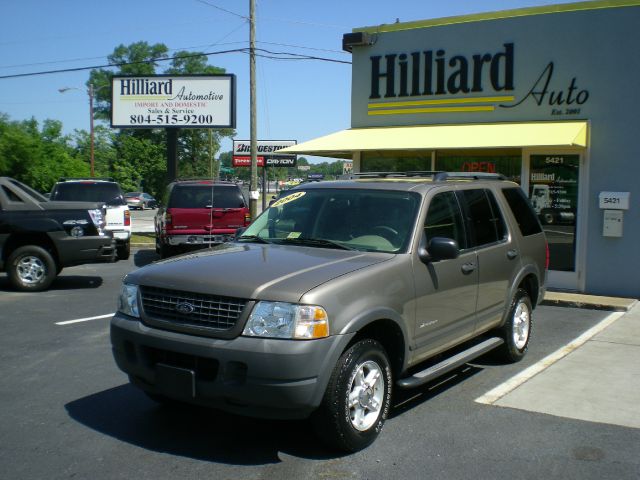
(127, 218)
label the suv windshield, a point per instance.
(88, 192)
(368, 220)
(206, 196)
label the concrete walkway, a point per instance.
(595, 378)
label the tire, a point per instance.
(123, 251)
(362, 374)
(162, 249)
(31, 268)
(517, 329)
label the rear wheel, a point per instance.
(123, 251)
(31, 268)
(517, 329)
(358, 398)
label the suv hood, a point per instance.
(254, 271)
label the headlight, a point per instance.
(128, 300)
(286, 320)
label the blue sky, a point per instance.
(297, 100)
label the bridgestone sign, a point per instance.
(163, 101)
(267, 153)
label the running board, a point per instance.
(449, 364)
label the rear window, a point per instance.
(206, 196)
(88, 192)
(522, 211)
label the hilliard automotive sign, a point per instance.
(477, 82)
(161, 101)
(267, 153)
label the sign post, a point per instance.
(267, 157)
(173, 102)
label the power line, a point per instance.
(266, 54)
(222, 9)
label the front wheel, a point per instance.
(31, 268)
(358, 398)
(517, 329)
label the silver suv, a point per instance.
(338, 293)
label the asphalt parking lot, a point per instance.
(68, 412)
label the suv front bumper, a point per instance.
(199, 239)
(257, 377)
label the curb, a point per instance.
(594, 302)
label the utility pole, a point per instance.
(253, 185)
(91, 134)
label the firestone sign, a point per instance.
(267, 153)
(161, 101)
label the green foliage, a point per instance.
(37, 157)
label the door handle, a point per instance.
(467, 268)
(511, 254)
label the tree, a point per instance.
(195, 147)
(37, 157)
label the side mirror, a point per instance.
(239, 232)
(438, 248)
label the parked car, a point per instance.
(38, 238)
(140, 200)
(108, 192)
(336, 294)
(199, 214)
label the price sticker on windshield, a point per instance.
(288, 198)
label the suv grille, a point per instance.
(191, 309)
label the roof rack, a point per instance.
(73, 179)
(443, 176)
(436, 175)
(416, 173)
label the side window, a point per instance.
(487, 224)
(501, 227)
(444, 219)
(12, 196)
(522, 211)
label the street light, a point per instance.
(90, 91)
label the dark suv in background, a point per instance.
(337, 294)
(197, 214)
(107, 192)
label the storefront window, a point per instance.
(553, 190)
(395, 161)
(506, 162)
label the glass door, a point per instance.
(553, 187)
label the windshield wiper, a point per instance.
(316, 242)
(253, 238)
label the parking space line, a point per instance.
(69, 322)
(503, 389)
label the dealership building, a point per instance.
(547, 96)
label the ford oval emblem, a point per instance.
(185, 308)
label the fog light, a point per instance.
(77, 231)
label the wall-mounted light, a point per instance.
(356, 39)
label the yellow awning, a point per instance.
(440, 137)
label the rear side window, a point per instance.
(444, 219)
(487, 224)
(522, 211)
(206, 196)
(88, 192)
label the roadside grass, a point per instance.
(143, 238)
